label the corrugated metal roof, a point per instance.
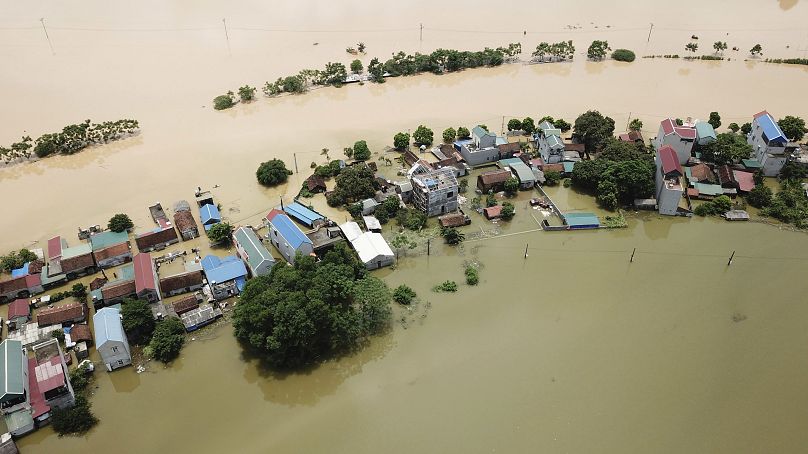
(302, 213)
(256, 252)
(545, 125)
(523, 172)
(289, 231)
(108, 327)
(751, 163)
(670, 162)
(372, 223)
(144, 272)
(351, 230)
(223, 269)
(370, 245)
(746, 180)
(568, 166)
(577, 220)
(106, 239)
(11, 369)
(709, 189)
(704, 129)
(19, 308)
(75, 251)
(554, 142)
(770, 127)
(209, 215)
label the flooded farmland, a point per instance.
(573, 349)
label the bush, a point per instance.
(624, 55)
(272, 172)
(138, 321)
(223, 101)
(552, 177)
(220, 233)
(760, 196)
(361, 152)
(79, 379)
(76, 420)
(167, 339)
(508, 211)
(446, 286)
(246, 93)
(403, 294)
(119, 223)
(717, 206)
(411, 219)
(511, 186)
(422, 135)
(472, 275)
(452, 235)
(401, 140)
(449, 135)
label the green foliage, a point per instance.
(119, 223)
(615, 182)
(167, 340)
(759, 197)
(220, 233)
(411, 219)
(511, 186)
(76, 420)
(452, 235)
(329, 170)
(445, 286)
(463, 132)
(635, 125)
(746, 128)
(789, 204)
(728, 148)
(793, 171)
(449, 135)
(301, 314)
(355, 210)
(334, 74)
(401, 140)
(272, 172)
(14, 259)
(422, 135)
(356, 66)
(552, 177)
(354, 183)
(692, 47)
(376, 70)
(80, 378)
(490, 200)
(560, 51)
(597, 50)
(59, 334)
(679, 122)
(615, 222)
(402, 241)
(472, 275)
(757, 49)
(624, 55)
(445, 60)
(592, 129)
(361, 152)
(138, 321)
(720, 46)
(508, 211)
(71, 139)
(715, 120)
(514, 124)
(225, 101)
(734, 127)
(793, 127)
(717, 206)
(586, 175)
(246, 93)
(528, 125)
(79, 291)
(618, 150)
(293, 84)
(403, 294)
(463, 186)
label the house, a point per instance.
(74, 262)
(705, 134)
(14, 371)
(146, 283)
(184, 221)
(304, 214)
(315, 184)
(201, 316)
(483, 147)
(581, 221)
(176, 284)
(745, 180)
(668, 181)
(157, 239)
(404, 190)
(227, 276)
(770, 146)
(287, 237)
(252, 251)
(548, 141)
(726, 177)
(493, 180)
(371, 247)
(435, 192)
(31, 333)
(324, 238)
(493, 212)
(79, 332)
(73, 312)
(115, 292)
(700, 173)
(20, 287)
(680, 138)
(523, 173)
(185, 304)
(19, 313)
(454, 219)
(209, 215)
(110, 248)
(508, 150)
(369, 206)
(51, 374)
(110, 339)
(372, 224)
(632, 136)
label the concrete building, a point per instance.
(521, 171)
(146, 282)
(73, 312)
(52, 377)
(435, 192)
(668, 181)
(184, 221)
(252, 251)
(19, 313)
(371, 247)
(14, 371)
(770, 146)
(185, 282)
(680, 138)
(111, 248)
(549, 143)
(705, 133)
(71, 261)
(110, 339)
(226, 276)
(287, 238)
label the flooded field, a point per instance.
(573, 349)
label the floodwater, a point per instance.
(573, 349)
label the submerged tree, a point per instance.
(756, 50)
(692, 47)
(272, 172)
(598, 50)
(120, 223)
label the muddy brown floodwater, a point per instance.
(573, 349)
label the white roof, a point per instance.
(372, 223)
(351, 230)
(371, 245)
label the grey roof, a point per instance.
(106, 239)
(108, 326)
(546, 125)
(480, 132)
(12, 378)
(75, 251)
(256, 252)
(523, 172)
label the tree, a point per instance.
(401, 140)
(715, 120)
(624, 55)
(220, 233)
(562, 125)
(403, 294)
(361, 47)
(167, 340)
(587, 174)
(793, 127)
(528, 126)
(449, 135)
(635, 125)
(411, 219)
(472, 275)
(401, 241)
(756, 50)
(597, 50)
(552, 177)
(484, 127)
(361, 152)
(272, 172)
(75, 420)
(120, 223)
(79, 291)
(334, 74)
(679, 122)
(618, 150)
(592, 129)
(225, 101)
(793, 171)
(463, 133)
(746, 128)
(354, 183)
(356, 66)
(137, 320)
(720, 46)
(246, 93)
(511, 186)
(728, 148)
(376, 70)
(452, 235)
(293, 84)
(15, 260)
(760, 196)
(514, 124)
(490, 200)
(422, 135)
(734, 127)
(508, 211)
(692, 47)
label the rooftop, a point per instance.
(370, 245)
(223, 269)
(302, 213)
(435, 180)
(669, 160)
(60, 314)
(770, 127)
(19, 308)
(209, 215)
(75, 251)
(108, 326)
(144, 272)
(106, 239)
(256, 252)
(288, 230)
(579, 220)
(11, 369)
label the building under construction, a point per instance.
(435, 192)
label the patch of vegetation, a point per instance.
(422, 135)
(511, 186)
(16, 259)
(137, 320)
(272, 172)
(401, 140)
(615, 222)
(76, 420)
(167, 339)
(789, 204)
(221, 233)
(224, 101)
(598, 50)
(560, 51)
(788, 61)
(411, 219)
(246, 93)
(624, 55)
(472, 275)
(361, 152)
(552, 177)
(403, 294)
(728, 148)
(445, 286)
(452, 236)
(508, 211)
(354, 183)
(620, 174)
(715, 207)
(119, 223)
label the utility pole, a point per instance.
(628, 121)
(502, 128)
(421, 34)
(42, 20)
(295, 156)
(632, 255)
(649, 33)
(427, 246)
(730, 258)
(227, 37)
(526, 250)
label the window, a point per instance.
(120, 362)
(451, 193)
(114, 349)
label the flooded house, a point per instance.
(185, 282)
(705, 133)
(110, 339)
(435, 192)
(185, 304)
(369, 206)
(493, 180)
(287, 238)
(52, 377)
(315, 184)
(226, 276)
(20, 287)
(481, 148)
(157, 239)
(250, 248)
(770, 146)
(325, 237)
(680, 138)
(549, 143)
(404, 190)
(184, 221)
(201, 316)
(668, 181)
(72, 262)
(146, 283)
(371, 247)
(69, 313)
(111, 248)
(303, 214)
(632, 137)
(15, 388)
(210, 216)
(521, 171)
(19, 313)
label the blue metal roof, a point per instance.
(108, 327)
(22, 271)
(209, 215)
(302, 213)
(289, 231)
(224, 269)
(581, 220)
(771, 129)
(568, 166)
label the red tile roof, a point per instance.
(670, 162)
(112, 251)
(725, 175)
(151, 239)
(184, 221)
(668, 126)
(746, 180)
(180, 281)
(702, 172)
(19, 308)
(118, 289)
(631, 136)
(80, 332)
(687, 133)
(29, 281)
(60, 314)
(557, 167)
(35, 267)
(185, 304)
(55, 247)
(144, 273)
(494, 177)
(274, 212)
(492, 212)
(692, 192)
(38, 405)
(78, 263)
